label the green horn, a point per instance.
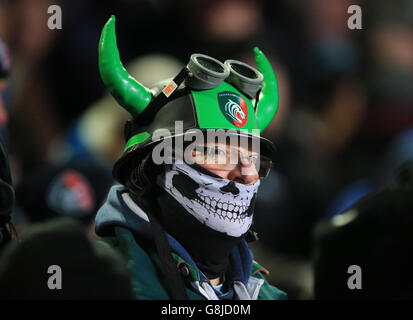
(268, 100)
(129, 93)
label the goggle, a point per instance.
(204, 72)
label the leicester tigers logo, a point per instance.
(234, 108)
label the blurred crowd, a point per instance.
(344, 129)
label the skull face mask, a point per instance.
(220, 204)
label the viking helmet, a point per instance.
(229, 105)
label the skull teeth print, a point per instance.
(232, 213)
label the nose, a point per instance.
(230, 187)
(244, 173)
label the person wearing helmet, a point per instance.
(189, 176)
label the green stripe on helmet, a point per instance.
(137, 139)
(224, 108)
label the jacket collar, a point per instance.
(121, 210)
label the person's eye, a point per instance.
(208, 151)
(214, 151)
(254, 158)
(220, 152)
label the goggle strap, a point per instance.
(162, 98)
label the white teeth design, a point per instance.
(225, 211)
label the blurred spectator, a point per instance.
(386, 71)
(6, 188)
(24, 25)
(375, 235)
(90, 269)
(399, 150)
(226, 29)
(4, 73)
(7, 198)
(76, 189)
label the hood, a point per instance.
(120, 210)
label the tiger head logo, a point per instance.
(234, 108)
